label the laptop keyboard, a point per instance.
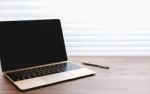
(41, 71)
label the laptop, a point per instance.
(33, 54)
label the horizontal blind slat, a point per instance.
(107, 44)
(147, 53)
(105, 38)
(107, 49)
(113, 32)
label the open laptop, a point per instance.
(33, 54)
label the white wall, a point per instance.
(91, 27)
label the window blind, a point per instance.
(91, 27)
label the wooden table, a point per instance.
(127, 75)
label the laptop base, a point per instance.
(51, 79)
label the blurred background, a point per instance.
(91, 27)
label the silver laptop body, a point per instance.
(33, 54)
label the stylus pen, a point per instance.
(95, 65)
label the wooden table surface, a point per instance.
(127, 75)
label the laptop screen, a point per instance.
(31, 43)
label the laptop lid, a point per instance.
(31, 43)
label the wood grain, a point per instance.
(127, 75)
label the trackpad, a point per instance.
(57, 77)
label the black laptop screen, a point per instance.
(30, 43)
